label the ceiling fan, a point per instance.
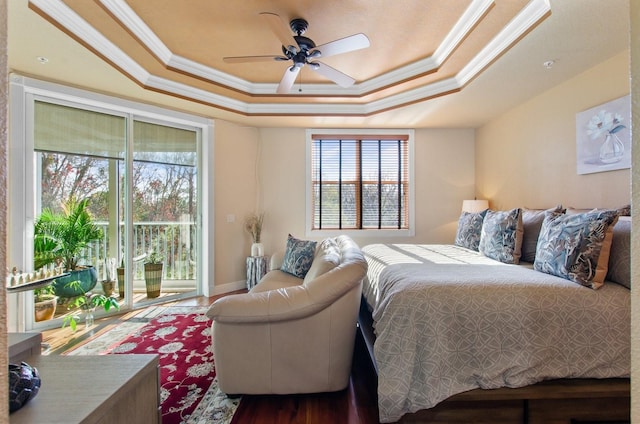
(303, 51)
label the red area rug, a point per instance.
(183, 345)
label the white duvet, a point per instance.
(448, 320)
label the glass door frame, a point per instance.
(22, 204)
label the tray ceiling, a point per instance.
(420, 49)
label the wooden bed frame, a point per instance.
(566, 401)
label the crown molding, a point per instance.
(533, 13)
(136, 26)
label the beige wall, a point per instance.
(235, 153)
(527, 157)
(444, 176)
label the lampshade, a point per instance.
(474, 206)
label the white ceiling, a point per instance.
(488, 53)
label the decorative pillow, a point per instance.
(574, 211)
(576, 247)
(531, 224)
(624, 210)
(620, 255)
(298, 256)
(501, 236)
(469, 227)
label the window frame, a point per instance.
(310, 232)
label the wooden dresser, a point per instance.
(94, 389)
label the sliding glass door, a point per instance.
(164, 208)
(140, 177)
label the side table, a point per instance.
(256, 269)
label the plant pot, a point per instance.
(45, 309)
(88, 278)
(107, 287)
(120, 274)
(153, 279)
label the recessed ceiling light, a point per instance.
(42, 59)
(549, 64)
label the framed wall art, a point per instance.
(603, 137)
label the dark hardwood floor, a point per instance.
(357, 404)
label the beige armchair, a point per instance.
(289, 335)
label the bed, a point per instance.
(447, 319)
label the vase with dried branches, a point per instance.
(253, 226)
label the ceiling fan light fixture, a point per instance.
(302, 50)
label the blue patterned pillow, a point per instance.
(501, 236)
(298, 256)
(576, 247)
(469, 227)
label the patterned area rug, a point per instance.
(189, 391)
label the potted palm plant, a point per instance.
(60, 238)
(153, 274)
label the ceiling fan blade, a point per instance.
(343, 80)
(243, 59)
(281, 30)
(288, 79)
(343, 45)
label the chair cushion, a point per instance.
(276, 279)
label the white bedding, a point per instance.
(448, 320)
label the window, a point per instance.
(360, 181)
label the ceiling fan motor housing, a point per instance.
(299, 25)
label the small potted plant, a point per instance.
(108, 285)
(45, 301)
(87, 303)
(120, 275)
(153, 274)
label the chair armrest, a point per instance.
(276, 260)
(283, 304)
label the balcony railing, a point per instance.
(174, 242)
